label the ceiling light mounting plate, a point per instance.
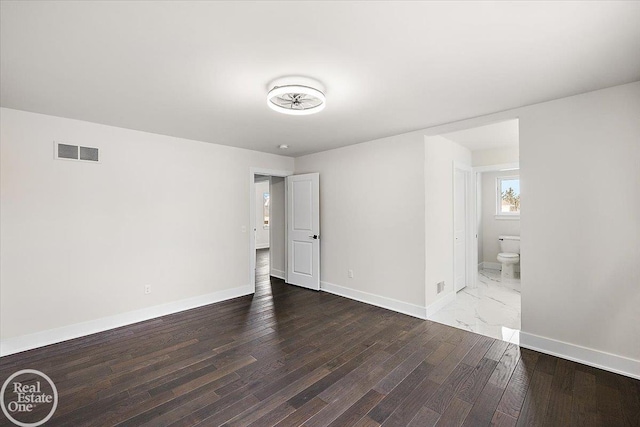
(297, 96)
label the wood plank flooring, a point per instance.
(287, 356)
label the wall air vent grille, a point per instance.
(75, 152)
(88, 153)
(67, 151)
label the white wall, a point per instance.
(79, 241)
(439, 155)
(581, 263)
(479, 201)
(580, 269)
(491, 226)
(278, 243)
(372, 217)
(262, 233)
(495, 156)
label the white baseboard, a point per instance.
(265, 246)
(496, 266)
(64, 333)
(436, 306)
(377, 300)
(587, 356)
(277, 273)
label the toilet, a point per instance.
(509, 255)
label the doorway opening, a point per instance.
(269, 250)
(267, 231)
(486, 296)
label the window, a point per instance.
(508, 196)
(265, 211)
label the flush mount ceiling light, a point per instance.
(297, 96)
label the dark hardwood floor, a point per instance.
(287, 356)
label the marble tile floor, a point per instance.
(488, 307)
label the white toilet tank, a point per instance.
(509, 244)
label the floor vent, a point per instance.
(76, 152)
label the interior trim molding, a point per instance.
(263, 246)
(587, 356)
(436, 306)
(52, 336)
(377, 300)
(277, 273)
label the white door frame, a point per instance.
(253, 171)
(469, 228)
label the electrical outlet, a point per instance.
(350, 274)
(440, 287)
(147, 289)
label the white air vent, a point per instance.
(75, 152)
(67, 151)
(88, 153)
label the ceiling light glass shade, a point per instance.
(296, 100)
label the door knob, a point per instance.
(315, 237)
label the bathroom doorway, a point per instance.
(488, 301)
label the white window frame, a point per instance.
(499, 214)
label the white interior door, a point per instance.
(460, 229)
(303, 230)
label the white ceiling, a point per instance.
(200, 70)
(495, 135)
